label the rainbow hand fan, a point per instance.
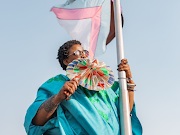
(91, 74)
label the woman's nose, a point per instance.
(83, 55)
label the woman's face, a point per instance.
(71, 56)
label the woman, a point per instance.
(87, 112)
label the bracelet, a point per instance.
(131, 89)
(131, 84)
(129, 78)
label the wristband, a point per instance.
(130, 78)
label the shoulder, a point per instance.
(54, 84)
(57, 78)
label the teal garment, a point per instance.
(86, 113)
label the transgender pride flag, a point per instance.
(87, 21)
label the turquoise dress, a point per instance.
(86, 113)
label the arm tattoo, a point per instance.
(48, 105)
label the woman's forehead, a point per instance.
(76, 47)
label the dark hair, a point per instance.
(63, 51)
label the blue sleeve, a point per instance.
(135, 123)
(49, 88)
(31, 129)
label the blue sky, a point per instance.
(30, 37)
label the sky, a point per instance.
(30, 37)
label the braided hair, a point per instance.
(63, 52)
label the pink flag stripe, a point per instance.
(75, 14)
(95, 28)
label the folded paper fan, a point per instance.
(91, 74)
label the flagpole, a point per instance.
(125, 121)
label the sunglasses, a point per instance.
(79, 53)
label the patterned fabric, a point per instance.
(94, 98)
(86, 113)
(91, 74)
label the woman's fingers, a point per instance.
(124, 61)
(123, 67)
(74, 83)
(75, 80)
(126, 67)
(67, 94)
(70, 87)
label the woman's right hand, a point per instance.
(68, 89)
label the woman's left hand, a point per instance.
(124, 66)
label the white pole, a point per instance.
(125, 121)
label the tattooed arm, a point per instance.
(47, 108)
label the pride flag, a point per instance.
(87, 21)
